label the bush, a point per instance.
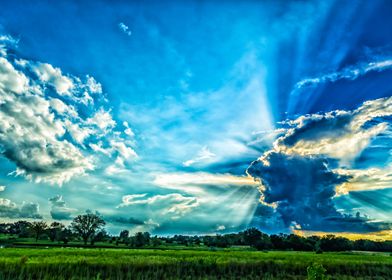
(316, 271)
(319, 251)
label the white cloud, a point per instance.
(123, 150)
(220, 228)
(7, 41)
(128, 131)
(102, 119)
(342, 135)
(11, 79)
(350, 73)
(174, 205)
(365, 179)
(198, 181)
(232, 199)
(78, 133)
(117, 168)
(41, 130)
(124, 28)
(63, 109)
(99, 148)
(30, 134)
(93, 85)
(54, 77)
(2, 188)
(203, 155)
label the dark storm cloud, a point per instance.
(302, 189)
(318, 126)
(9, 209)
(124, 220)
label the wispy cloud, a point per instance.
(203, 155)
(349, 73)
(365, 179)
(198, 182)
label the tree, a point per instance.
(38, 228)
(252, 236)
(155, 241)
(54, 231)
(101, 236)
(140, 239)
(86, 225)
(124, 234)
(333, 243)
(20, 228)
(65, 235)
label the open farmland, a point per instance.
(76, 263)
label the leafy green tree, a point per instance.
(54, 231)
(140, 239)
(38, 228)
(20, 228)
(86, 225)
(251, 236)
(101, 236)
(156, 241)
(124, 234)
(65, 235)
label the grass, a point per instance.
(76, 263)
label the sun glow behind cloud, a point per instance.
(171, 115)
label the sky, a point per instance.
(198, 117)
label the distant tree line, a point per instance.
(89, 228)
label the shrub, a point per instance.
(316, 271)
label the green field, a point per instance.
(76, 263)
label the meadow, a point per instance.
(78, 263)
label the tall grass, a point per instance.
(72, 263)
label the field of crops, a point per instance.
(73, 263)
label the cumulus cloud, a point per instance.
(300, 189)
(341, 135)
(93, 85)
(103, 120)
(9, 209)
(41, 128)
(2, 188)
(7, 41)
(53, 77)
(311, 163)
(124, 28)
(59, 209)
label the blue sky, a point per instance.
(198, 117)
